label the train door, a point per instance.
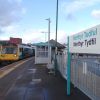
(20, 51)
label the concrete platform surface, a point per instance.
(32, 82)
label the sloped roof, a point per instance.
(52, 44)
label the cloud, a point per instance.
(96, 14)
(10, 11)
(62, 36)
(1, 32)
(11, 29)
(36, 35)
(74, 6)
(70, 17)
(33, 35)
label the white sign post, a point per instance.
(87, 41)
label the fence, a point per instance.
(62, 63)
(85, 75)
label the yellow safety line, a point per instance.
(5, 72)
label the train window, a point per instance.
(9, 50)
(15, 50)
(3, 51)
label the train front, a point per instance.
(9, 53)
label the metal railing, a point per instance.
(85, 75)
(62, 64)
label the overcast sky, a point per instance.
(26, 18)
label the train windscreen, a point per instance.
(9, 50)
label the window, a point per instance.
(9, 50)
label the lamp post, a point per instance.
(49, 39)
(56, 22)
(69, 56)
(56, 37)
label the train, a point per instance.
(14, 52)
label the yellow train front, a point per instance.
(9, 53)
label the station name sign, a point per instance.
(87, 41)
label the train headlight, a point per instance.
(15, 55)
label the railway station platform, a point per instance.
(32, 82)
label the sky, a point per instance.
(26, 19)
